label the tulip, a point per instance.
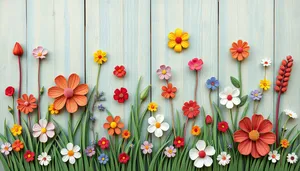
(18, 50)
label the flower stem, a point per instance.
(284, 128)
(13, 107)
(20, 87)
(231, 117)
(29, 121)
(210, 103)
(196, 86)
(240, 77)
(98, 76)
(185, 125)
(173, 119)
(39, 94)
(276, 118)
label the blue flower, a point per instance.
(212, 83)
(92, 118)
(101, 107)
(103, 158)
(256, 95)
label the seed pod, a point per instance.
(284, 74)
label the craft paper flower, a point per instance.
(71, 153)
(178, 40)
(256, 95)
(69, 93)
(101, 107)
(265, 84)
(124, 158)
(44, 159)
(212, 83)
(292, 158)
(223, 158)
(113, 125)
(90, 151)
(230, 97)
(195, 64)
(266, 62)
(254, 136)
(208, 119)
(43, 130)
(157, 125)
(202, 154)
(17, 145)
(170, 151)
(6, 148)
(179, 142)
(164, 72)
(29, 156)
(39, 52)
(16, 130)
(103, 143)
(52, 110)
(169, 91)
(284, 143)
(27, 104)
(9, 91)
(291, 114)
(240, 50)
(126, 134)
(18, 50)
(100, 57)
(147, 147)
(196, 130)
(191, 109)
(223, 126)
(274, 156)
(152, 106)
(121, 95)
(103, 158)
(119, 71)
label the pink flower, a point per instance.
(43, 130)
(164, 72)
(39, 52)
(195, 64)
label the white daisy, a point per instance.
(223, 158)
(44, 159)
(229, 97)
(292, 158)
(43, 130)
(157, 125)
(290, 113)
(274, 156)
(266, 62)
(201, 154)
(6, 148)
(71, 153)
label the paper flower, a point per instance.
(121, 95)
(126, 134)
(43, 130)
(240, 50)
(52, 110)
(152, 106)
(212, 83)
(195, 64)
(284, 143)
(101, 107)
(103, 158)
(170, 151)
(284, 74)
(223, 126)
(146, 147)
(16, 130)
(202, 154)
(71, 153)
(119, 71)
(29, 156)
(6, 148)
(196, 130)
(44, 159)
(179, 142)
(191, 109)
(169, 91)
(291, 114)
(254, 136)
(100, 57)
(223, 158)
(123, 158)
(18, 50)
(178, 40)
(90, 151)
(274, 156)
(208, 119)
(230, 97)
(113, 125)
(39, 52)
(292, 158)
(266, 62)
(256, 95)
(103, 143)
(164, 72)
(157, 125)
(27, 104)
(17, 145)
(9, 91)
(265, 84)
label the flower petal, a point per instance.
(61, 82)
(80, 100)
(223, 101)
(171, 36)
(245, 124)
(73, 81)
(43, 138)
(240, 136)
(254, 151)
(109, 119)
(43, 123)
(265, 126)
(209, 150)
(72, 160)
(36, 134)
(151, 128)
(71, 106)
(208, 161)
(55, 92)
(70, 146)
(60, 102)
(236, 100)
(256, 120)
(76, 148)
(262, 148)
(77, 155)
(199, 162)
(36, 127)
(185, 44)
(50, 126)
(65, 158)
(201, 145)
(229, 105)
(50, 134)
(159, 118)
(235, 92)
(171, 43)
(185, 36)
(178, 32)
(158, 132)
(151, 120)
(268, 138)
(194, 153)
(245, 147)
(82, 89)
(178, 48)
(164, 126)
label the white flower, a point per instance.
(223, 158)
(201, 154)
(43, 130)
(266, 62)
(44, 159)
(229, 97)
(292, 158)
(274, 156)
(290, 113)
(6, 148)
(157, 125)
(71, 153)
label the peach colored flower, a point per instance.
(169, 92)
(27, 104)
(113, 125)
(239, 50)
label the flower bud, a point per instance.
(18, 50)
(145, 93)
(10, 110)
(9, 91)
(208, 119)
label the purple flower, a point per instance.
(164, 72)
(212, 83)
(101, 107)
(256, 95)
(147, 147)
(170, 151)
(90, 151)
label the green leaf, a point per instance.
(235, 82)
(243, 100)
(245, 110)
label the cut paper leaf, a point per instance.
(235, 82)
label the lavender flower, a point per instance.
(92, 118)
(256, 95)
(90, 151)
(147, 147)
(170, 151)
(164, 72)
(103, 158)
(101, 107)
(212, 83)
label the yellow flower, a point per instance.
(178, 40)
(284, 143)
(16, 130)
(196, 130)
(52, 110)
(265, 84)
(100, 57)
(152, 107)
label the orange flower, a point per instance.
(114, 125)
(240, 50)
(17, 145)
(69, 93)
(254, 137)
(126, 134)
(284, 143)
(168, 92)
(27, 104)
(196, 130)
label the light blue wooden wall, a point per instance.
(134, 33)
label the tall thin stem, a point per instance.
(20, 87)
(277, 115)
(13, 106)
(173, 118)
(231, 117)
(240, 77)
(185, 125)
(39, 88)
(98, 76)
(196, 86)
(29, 120)
(210, 103)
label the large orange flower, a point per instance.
(169, 92)
(68, 92)
(240, 50)
(114, 125)
(254, 137)
(27, 104)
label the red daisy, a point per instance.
(29, 156)
(120, 71)
(123, 158)
(223, 126)
(179, 142)
(121, 95)
(103, 143)
(191, 109)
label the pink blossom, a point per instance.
(164, 72)
(39, 52)
(195, 64)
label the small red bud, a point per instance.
(279, 77)
(287, 74)
(289, 57)
(285, 84)
(280, 72)
(208, 119)
(290, 64)
(284, 89)
(18, 50)
(286, 79)
(277, 89)
(284, 62)
(282, 67)
(278, 83)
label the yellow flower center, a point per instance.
(39, 54)
(113, 124)
(146, 147)
(170, 151)
(123, 158)
(254, 135)
(103, 142)
(6, 148)
(178, 141)
(164, 72)
(29, 155)
(157, 125)
(43, 130)
(290, 115)
(256, 95)
(70, 153)
(103, 158)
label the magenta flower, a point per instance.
(39, 52)
(164, 72)
(195, 64)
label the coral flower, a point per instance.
(196, 130)
(121, 95)
(18, 50)
(126, 134)
(100, 57)
(179, 142)
(168, 92)
(16, 130)
(239, 50)
(69, 93)
(265, 84)
(103, 143)
(114, 125)
(27, 104)
(191, 109)
(29, 156)
(254, 136)
(120, 71)
(195, 64)
(123, 158)
(178, 40)
(223, 126)
(18, 145)
(284, 143)
(39, 52)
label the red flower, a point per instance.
(120, 71)
(179, 142)
(208, 119)
(284, 74)
(121, 95)
(18, 50)
(103, 143)
(29, 156)
(222, 126)
(9, 91)
(191, 109)
(123, 158)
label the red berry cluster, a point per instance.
(284, 74)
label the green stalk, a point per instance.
(97, 83)
(231, 117)
(13, 103)
(240, 77)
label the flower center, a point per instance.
(99, 57)
(126, 133)
(292, 158)
(224, 158)
(239, 50)
(254, 135)
(29, 155)
(103, 158)
(103, 142)
(178, 141)
(70, 153)
(68, 92)
(152, 106)
(157, 125)
(223, 126)
(113, 124)
(290, 115)
(273, 156)
(212, 83)
(26, 103)
(39, 54)
(202, 154)
(43, 130)
(191, 109)
(178, 40)
(44, 158)
(195, 130)
(146, 147)
(164, 72)
(121, 95)
(169, 90)
(6, 148)
(119, 70)
(256, 95)
(229, 97)
(170, 151)
(266, 62)
(123, 158)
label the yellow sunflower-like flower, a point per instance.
(284, 143)
(178, 40)
(100, 57)
(152, 107)
(16, 130)
(265, 84)
(52, 110)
